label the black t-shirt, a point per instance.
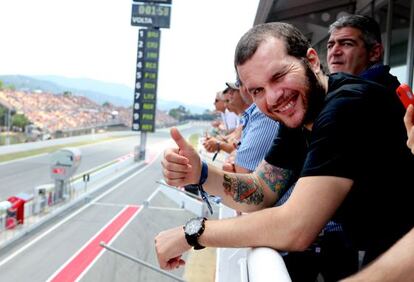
(289, 149)
(360, 135)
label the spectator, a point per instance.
(218, 105)
(355, 47)
(342, 176)
(257, 133)
(229, 120)
(228, 143)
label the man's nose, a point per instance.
(273, 95)
(336, 50)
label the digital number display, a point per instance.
(151, 15)
(152, 10)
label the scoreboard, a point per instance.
(146, 80)
(152, 15)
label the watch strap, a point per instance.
(192, 240)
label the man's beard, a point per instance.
(315, 98)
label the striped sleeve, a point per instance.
(256, 140)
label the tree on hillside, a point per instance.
(67, 93)
(3, 113)
(179, 113)
(20, 121)
(1, 85)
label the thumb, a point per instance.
(408, 118)
(179, 139)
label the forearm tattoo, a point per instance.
(278, 179)
(243, 190)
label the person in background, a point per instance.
(228, 144)
(257, 133)
(229, 120)
(355, 47)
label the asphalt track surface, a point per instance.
(25, 174)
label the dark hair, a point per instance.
(370, 30)
(296, 43)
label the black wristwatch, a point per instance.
(193, 230)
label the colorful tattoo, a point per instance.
(246, 190)
(275, 177)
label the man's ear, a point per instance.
(375, 54)
(313, 60)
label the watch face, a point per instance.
(193, 226)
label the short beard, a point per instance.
(316, 95)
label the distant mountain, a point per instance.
(93, 87)
(43, 83)
(26, 83)
(95, 90)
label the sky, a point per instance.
(94, 39)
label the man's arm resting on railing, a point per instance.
(291, 227)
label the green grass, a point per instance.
(25, 154)
(193, 139)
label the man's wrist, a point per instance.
(193, 230)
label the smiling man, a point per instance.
(330, 145)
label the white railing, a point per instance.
(249, 264)
(265, 263)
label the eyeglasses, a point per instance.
(217, 100)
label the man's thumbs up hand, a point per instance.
(180, 141)
(181, 165)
